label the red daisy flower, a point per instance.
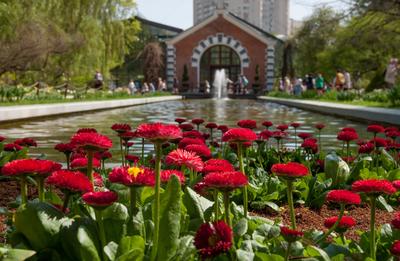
(132, 176)
(206, 136)
(223, 128)
(201, 188)
(201, 150)
(65, 148)
(379, 142)
(267, 124)
(185, 158)
(183, 143)
(121, 127)
(319, 126)
(239, 135)
(341, 196)
(349, 159)
(98, 180)
(226, 180)
(278, 135)
(304, 135)
(186, 127)
(86, 130)
(217, 165)
(12, 147)
(103, 155)
(158, 132)
(295, 125)
(91, 141)
(345, 223)
(248, 124)
(100, 199)
(347, 135)
(211, 125)
(82, 163)
(396, 184)
(291, 235)
(375, 128)
(396, 221)
(373, 186)
(166, 175)
(30, 167)
(282, 127)
(128, 144)
(26, 142)
(73, 181)
(366, 148)
(2, 138)
(290, 170)
(132, 158)
(392, 134)
(265, 135)
(212, 239)
(395, 249)
(194, 134)
(127, 135)
(310, 146)
(197, 121)
(180, 120)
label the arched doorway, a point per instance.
(217, 58)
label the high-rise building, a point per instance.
(269, 15)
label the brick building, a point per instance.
(222, 41)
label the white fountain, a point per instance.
(219, 84)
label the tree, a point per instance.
(153, 57)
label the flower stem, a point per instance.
(40, 184)
(102, 235)
(216, 205)
(334, 225)
(290, 202)
(342, 238)
(348, 152)
(122, 151)
(68, 156)
(287, 254)
(156, 215)
(24, 190)
(295, 138)
(66, 201)
(227, 209)
(90, 166)
(132, 205)
(241, 165)
(372, 229)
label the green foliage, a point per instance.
(394, 96)
(7, 254)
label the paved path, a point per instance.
(355, 112)
(11, 113)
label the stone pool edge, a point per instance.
(22, 112)
(353, 112)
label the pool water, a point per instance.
(50, 131)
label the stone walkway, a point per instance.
(355, 112)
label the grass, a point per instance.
(90, 97)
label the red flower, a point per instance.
(194, 134)
(290, 170)
(223, 128)
(121, 127)
(396, 221)
(197, 121)
(304, 135)
(347, 135)
(291, 235)
(206, 136)
(239, 135)
(282, 127)
(128, 135)
(278, 135)
(379, 142)
(186, 127)
(295, 125)
(345, 223)
(166, 175)
(158, 132)
(200, 188)
(86, 130)
(341, 196)
(201, 150)
(132, 158)
(217, 165)
(2, 138)
(12, 147)
(103, 155)
(181, 157)
(73, 181)
(211, 125)
(396, 184)
(132, 176)
(91, 141)
(100, 199)
(373, 186)
(65, 148)
(366, 148)
(26, 142)
(98, 180)
(349, 129)
(310, 145)
(128, 144)
(30, 167)
(213, 239)
(392, 134)
(226, 180)
(82, 163)
(267, 124)
(180, 120)
(395, 249)
(319, 126)
(248, 124)
(265, 135)
(189, 141)
(375, 128)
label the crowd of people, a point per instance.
(136, 87)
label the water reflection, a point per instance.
(51, 131)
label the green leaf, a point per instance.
(195, 204)
(7, 254)
(40, 223)
(111, 250)
(259, 256)
(170, 210)
(315, 251)
(241, 227)
(130, 248)
(381, 203)
(266, 231)
(243, 255)
(186, 249)
(114, 218)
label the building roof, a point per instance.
(159, 25)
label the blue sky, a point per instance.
(179, 13)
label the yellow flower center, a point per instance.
(135, 171)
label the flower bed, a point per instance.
(224, 194)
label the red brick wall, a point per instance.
(255, 49)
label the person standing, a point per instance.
(310, 82)
(98, 80)
(320, 84)
(175, 86)
(340, 80)
(391, 72)
(132, 87)
(347, 80)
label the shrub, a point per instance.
(346, 96)
(394, 96)
(376, 96)
(309, 94)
